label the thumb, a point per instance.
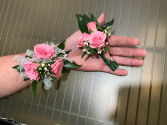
(101, 19)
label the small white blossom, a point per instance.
(48, 64)
(85, 50)
(106, 43)
(65, 55)
(88, 52)
(42, 64)
(86, 43)
(109, 34)
(105, 31)
(45, 69)
(62, 51)
(99, 51)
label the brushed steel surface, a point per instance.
(89, 98)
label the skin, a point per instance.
(117, 52)
(11, 82)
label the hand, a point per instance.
(117, 51)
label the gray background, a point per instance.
(89, 98)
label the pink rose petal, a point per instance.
(30, 68)
(97, 39)
(92, 26)
(57, 68)
(81, 40)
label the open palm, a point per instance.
(117, 51)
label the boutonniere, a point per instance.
(94, 38)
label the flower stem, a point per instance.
(112, 65)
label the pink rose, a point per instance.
(57, 68)
(44, 51)
(30, 68)
(92, 26)
(81, 40)
(97, 39)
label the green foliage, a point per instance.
(107, 24)
(82, 23)
(91, 31)
(34, 87)
(86, 17)
(25, 79)
(51, 62)
(106, 48)
(17, 67)
(112, 65)
(70, 65)
(93, 18)
(64, 70)
(51, 72)
(91, 50)
(62, 45)
(83, 54)
(68, 52)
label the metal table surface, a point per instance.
(89, 98)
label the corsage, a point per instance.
(46, 63)
(94, 38)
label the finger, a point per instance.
(101, 19)
(119, 72)
(124, 51)
(115, 40)
(127, 61)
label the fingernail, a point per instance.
(139, 42)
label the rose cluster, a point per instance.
(43, 51)
(96, 39)
(46, 63)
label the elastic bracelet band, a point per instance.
(46, 63)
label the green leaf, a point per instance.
(18, 69)
(25, 79)
(62, 45)
(68, 52)
(107, 49)
(93, 18)
(107, 29)
(92, 50)
(41, 75)
(83, 54)
(91, 31)
(107, 24)
(99, 29)
(15, 67)
(49, 68)
(34, 87)
(52, 73)
(82, 24)
(64, 70)
(110, 65)
(70, 65)
(86, 17)
(51, 62)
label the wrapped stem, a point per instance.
(112, 65)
